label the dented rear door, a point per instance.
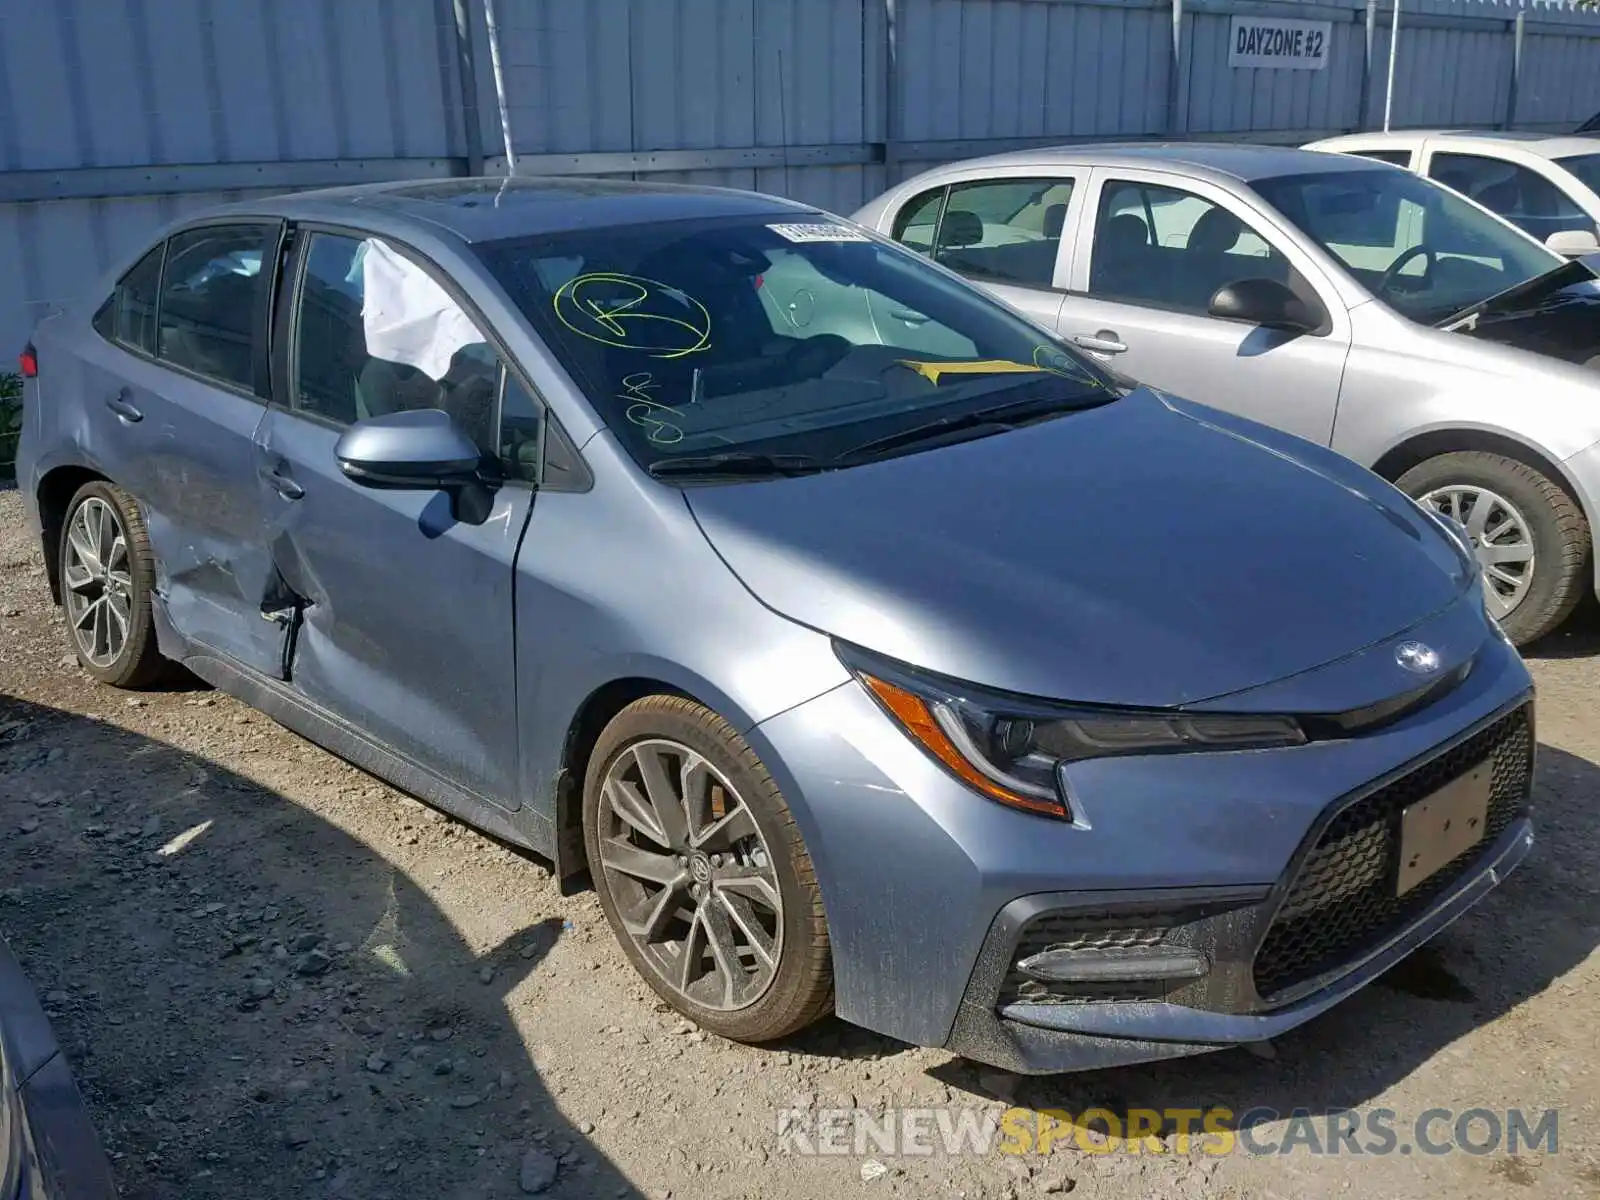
(178, 429)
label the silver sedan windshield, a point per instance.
(1418, 247)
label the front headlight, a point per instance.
(1012, 749)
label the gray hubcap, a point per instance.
(1500, 537)
(690, 875)
(98, 582)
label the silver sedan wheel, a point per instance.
(1500, 537)
(690, 874)
(98, 578)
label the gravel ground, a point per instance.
(277, 977)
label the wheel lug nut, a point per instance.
(716, 860)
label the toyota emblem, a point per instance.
(1417, 658)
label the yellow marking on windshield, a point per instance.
(931, 371)
(631, 312)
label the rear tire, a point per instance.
(1491, 492)
(688, 886)
(107, 577)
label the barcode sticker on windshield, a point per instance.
(822, 232)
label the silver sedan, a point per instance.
(1343, 300)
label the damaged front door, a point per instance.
(404, 624)
(183, 414)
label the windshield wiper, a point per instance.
(1557, 277)
(735, 462)
(1001, 416)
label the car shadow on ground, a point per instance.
(1576, 637)
(1532, 930)
(254, 1002)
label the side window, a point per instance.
(129, 313)
(1007, 230)
(375, 334)
(918, 220)
(1172, 249)
(1520, 195)
(1395, 158)
(214, 302)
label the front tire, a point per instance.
(107, 576)
(702, 872)
(1531, 536)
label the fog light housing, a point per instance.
(1114, 964)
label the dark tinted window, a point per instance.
(129, 314)
(1520, 195)
(214, 302)
(1172, 249)
(376, 334)
(1007, 230)
(1395, 158)
(709, 337)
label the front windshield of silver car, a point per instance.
(1418, 247)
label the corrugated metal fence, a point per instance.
(116, 115)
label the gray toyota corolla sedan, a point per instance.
(972, 694)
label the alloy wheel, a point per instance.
(691, 875)
(98, 580)
(1501, 539)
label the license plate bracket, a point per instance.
(1436, 830)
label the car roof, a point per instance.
(482, 208)
(1545, 145)
(1231, 160)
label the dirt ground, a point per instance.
(277, 977)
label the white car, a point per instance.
(1549, 186)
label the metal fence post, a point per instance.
(1177, 119)
(891, 89)
(1368, 63)
(1517, 28)
(468, 70)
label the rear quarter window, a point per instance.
(129, 314)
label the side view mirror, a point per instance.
(1267, 303)
(1574, 243)
(422, 449)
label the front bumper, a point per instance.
(930, 890)
(1033, 1038)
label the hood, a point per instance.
(1147, 552)
(1556, 315)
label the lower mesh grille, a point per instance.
(1343, 898)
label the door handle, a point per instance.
(909, 317)
(123, 407)
(285, 487)
(1105, 342)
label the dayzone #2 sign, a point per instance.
(1269, 42)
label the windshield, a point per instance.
(1586, 167)
(716, 338)
(1418, 247)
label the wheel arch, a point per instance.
(55, 492)
(1399, 459)
(599, 708)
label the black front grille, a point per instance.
(1343, 898)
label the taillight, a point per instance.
(28, 360)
